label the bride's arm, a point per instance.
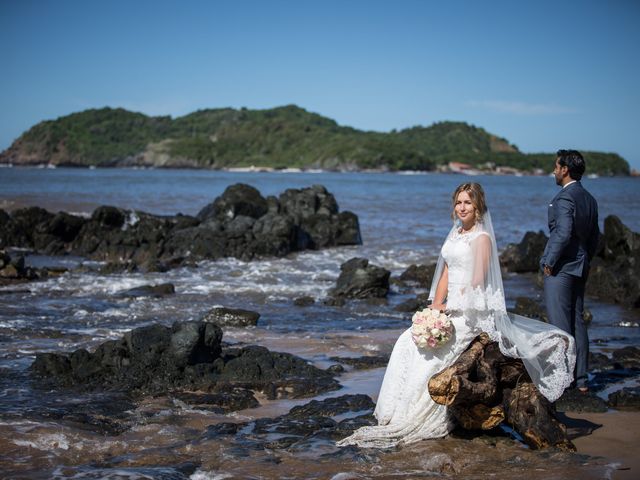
(441, 290)
(482, 256)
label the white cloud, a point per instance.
(521, 108)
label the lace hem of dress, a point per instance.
(548, 355)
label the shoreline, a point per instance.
(253, 169)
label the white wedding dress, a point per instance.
(405, 411)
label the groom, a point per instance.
(573, 239)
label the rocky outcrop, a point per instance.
(524, 256)
(240, 223)
(330, 419)
(530, 308)
(628, 398)
(14, 269)
(420, 302)
(418, 275)
(364, 363)
(615, 271)
(231, 317)
(359, 279)
(187, 357)
(621, 367)
(149, 291)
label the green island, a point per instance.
(278, 138)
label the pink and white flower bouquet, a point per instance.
(431, 328)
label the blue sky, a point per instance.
(543, 74)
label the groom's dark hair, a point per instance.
(572, 159)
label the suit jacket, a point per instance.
(573, 231)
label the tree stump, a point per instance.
(483, 388)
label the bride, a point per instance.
(468, 283)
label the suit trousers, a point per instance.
(564, 296)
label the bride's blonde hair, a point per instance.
(476, 194)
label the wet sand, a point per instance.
(615, 436)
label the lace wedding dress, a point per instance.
(405, 411)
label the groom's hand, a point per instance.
(547, 271)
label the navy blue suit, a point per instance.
(573, 239)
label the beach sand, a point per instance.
(614, 436)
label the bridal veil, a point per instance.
(547, 352)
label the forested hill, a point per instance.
(281, 137)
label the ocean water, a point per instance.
(403, 218)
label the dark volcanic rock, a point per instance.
(530, 308)
(239, 223)
(237, 200)
(363, 363)
(219, 402)
(276, 374)
(13, 270)
(307, 202)
(573, 400)
(421, 275)
(627, 357)
(333, 406)
(317, 420)
(615, 270)
(231, 317)
(627, 398)
(359, 279)
(186, 357)
(420, 302)
(334, 301)
(304, 301)
(149, 291)
(599, 362)
(524, 256)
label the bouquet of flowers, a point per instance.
(431, 328)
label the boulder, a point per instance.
(524, 256)
(627, 398)
(420, 275)
(17, 229)
(237, 200)
(420, 302)
(627, 357)
(14, 270)
(304, 203)
(359, 279)
(615, 270)
(304, 301)
(186, 357)
(364, 363)
(149, 291)
(530, 308)
(572, 400)
(231, 317)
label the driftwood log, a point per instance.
(483, 388)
